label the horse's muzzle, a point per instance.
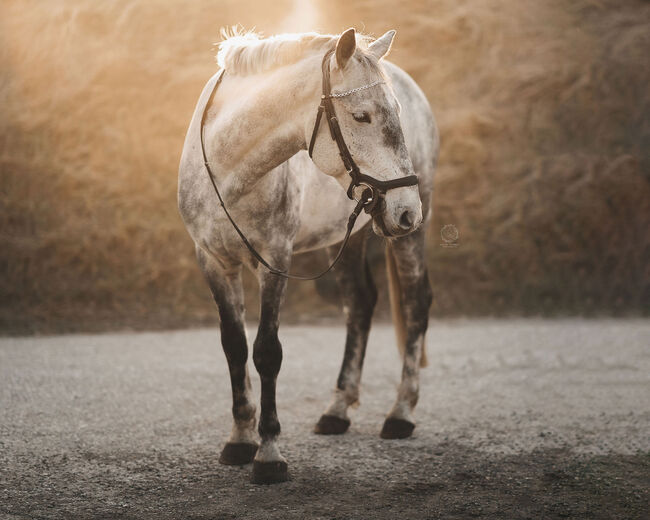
(408, 222)
(397, 213)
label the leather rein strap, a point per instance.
(374, 188)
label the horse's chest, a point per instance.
(324, 212)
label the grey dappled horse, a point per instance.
(256, 128)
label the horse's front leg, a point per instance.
(415, 296)
(269, 465)
(226, 287)
(359, 297)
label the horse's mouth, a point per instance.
(379, 227)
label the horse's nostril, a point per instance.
(406, 220)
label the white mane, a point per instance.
(246, 53)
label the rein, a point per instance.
(374, 189)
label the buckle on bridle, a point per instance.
(369, 196)
(366, 195)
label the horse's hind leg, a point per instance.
(359, 298)
(411, 297)
(269, 465)
(227, 291)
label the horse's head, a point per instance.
(370, 125)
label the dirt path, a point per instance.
(517, 419)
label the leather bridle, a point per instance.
(377, 187)
(374, 189)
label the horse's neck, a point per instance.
(259, 122)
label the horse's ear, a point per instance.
(345, 47)
(381, 46)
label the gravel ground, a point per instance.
(516, 419)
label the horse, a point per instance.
(247, 141)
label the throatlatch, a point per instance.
(374, 190)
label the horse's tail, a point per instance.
(396, 306)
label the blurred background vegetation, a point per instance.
(544, 111)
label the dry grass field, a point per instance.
(544, 110)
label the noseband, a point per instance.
(374, 189)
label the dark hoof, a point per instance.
(269, 472)
(331, 425)
(397, 429)
(238, 453)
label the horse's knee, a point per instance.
(420, 291)
(267, 354)
(370, 287)
(418, 303)
(363, 299)
(233, 340)
(428, 291)
(370, 292)
(361, 311)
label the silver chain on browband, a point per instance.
(348, 92)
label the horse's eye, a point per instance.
(361, 117)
